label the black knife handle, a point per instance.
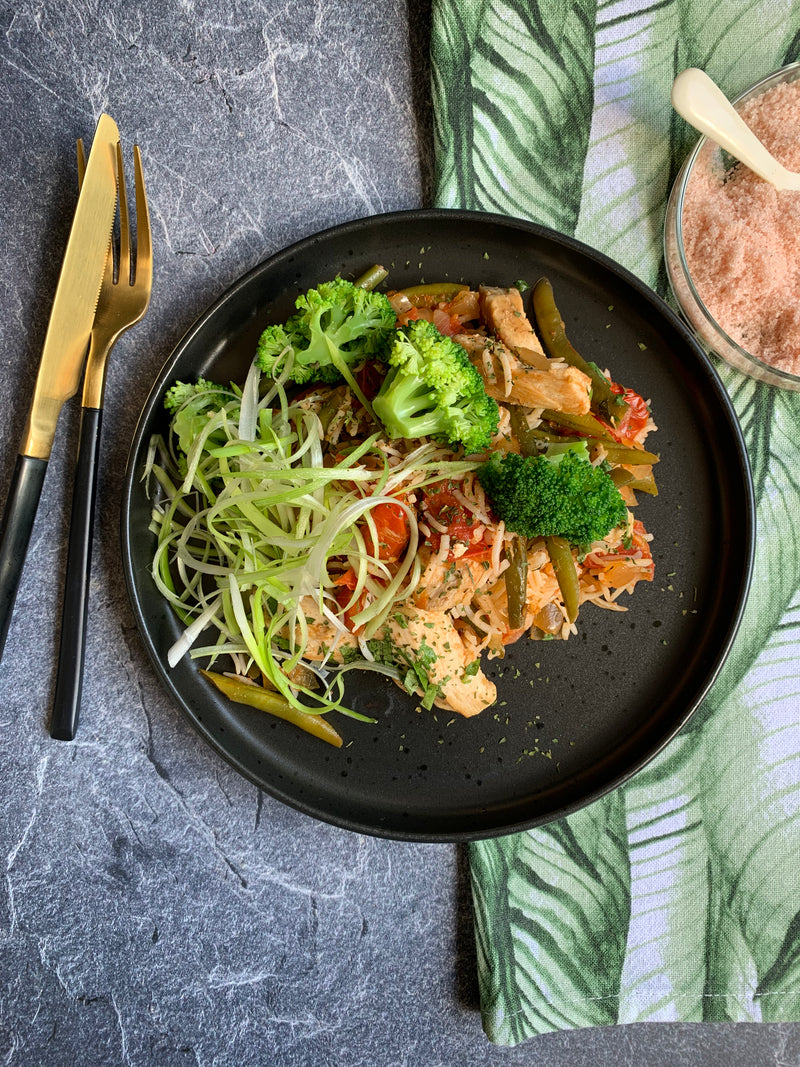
(72, 648)
(15, 532)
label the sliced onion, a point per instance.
(400, 302)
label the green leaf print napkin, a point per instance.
(676, 897)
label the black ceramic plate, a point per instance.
(573, 718)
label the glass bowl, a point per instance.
(699, 318)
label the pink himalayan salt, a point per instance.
(742, 237)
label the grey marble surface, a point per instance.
(155, 908)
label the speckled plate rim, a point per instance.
(483, 822)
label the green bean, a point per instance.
(619, 476)
(566, 573)
(329, 409)
(615, 453)
(625, 455)
(255, 696)
(372, 277)
(543, 435)
(432, 293)
(517, 583)
(523, 433)
(586, 425)
(622, 454)
(644, 485)
(548, 318)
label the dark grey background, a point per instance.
(154, 907)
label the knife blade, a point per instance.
(63, 356)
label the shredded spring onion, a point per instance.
(255, 529)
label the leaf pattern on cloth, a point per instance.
(769, 421)
(521, 78)
(558, 965)
(627, 171)
(752, 812)
(676, 897)
(669, 890)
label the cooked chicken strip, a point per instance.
(323, 635)
(561, 387)
(503, 313)
(445, 585)
(430, 639)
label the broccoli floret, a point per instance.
(178, 393)
(336, 327)
(432, 390)
(190, 404)
(556, 494)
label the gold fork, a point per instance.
(122, 303)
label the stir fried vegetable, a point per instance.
(403, 482)
(557, 493)
(548, 319)
(256, 696)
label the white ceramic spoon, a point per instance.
(702, 103)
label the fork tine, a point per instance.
(144, 248)
(124, 223)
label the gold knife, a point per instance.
(63, 356)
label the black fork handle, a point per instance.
(72, 648)
(15, 532)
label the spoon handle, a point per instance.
(697, 99)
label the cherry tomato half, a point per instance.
(444, 508)
(392, 529)
(635, 418)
